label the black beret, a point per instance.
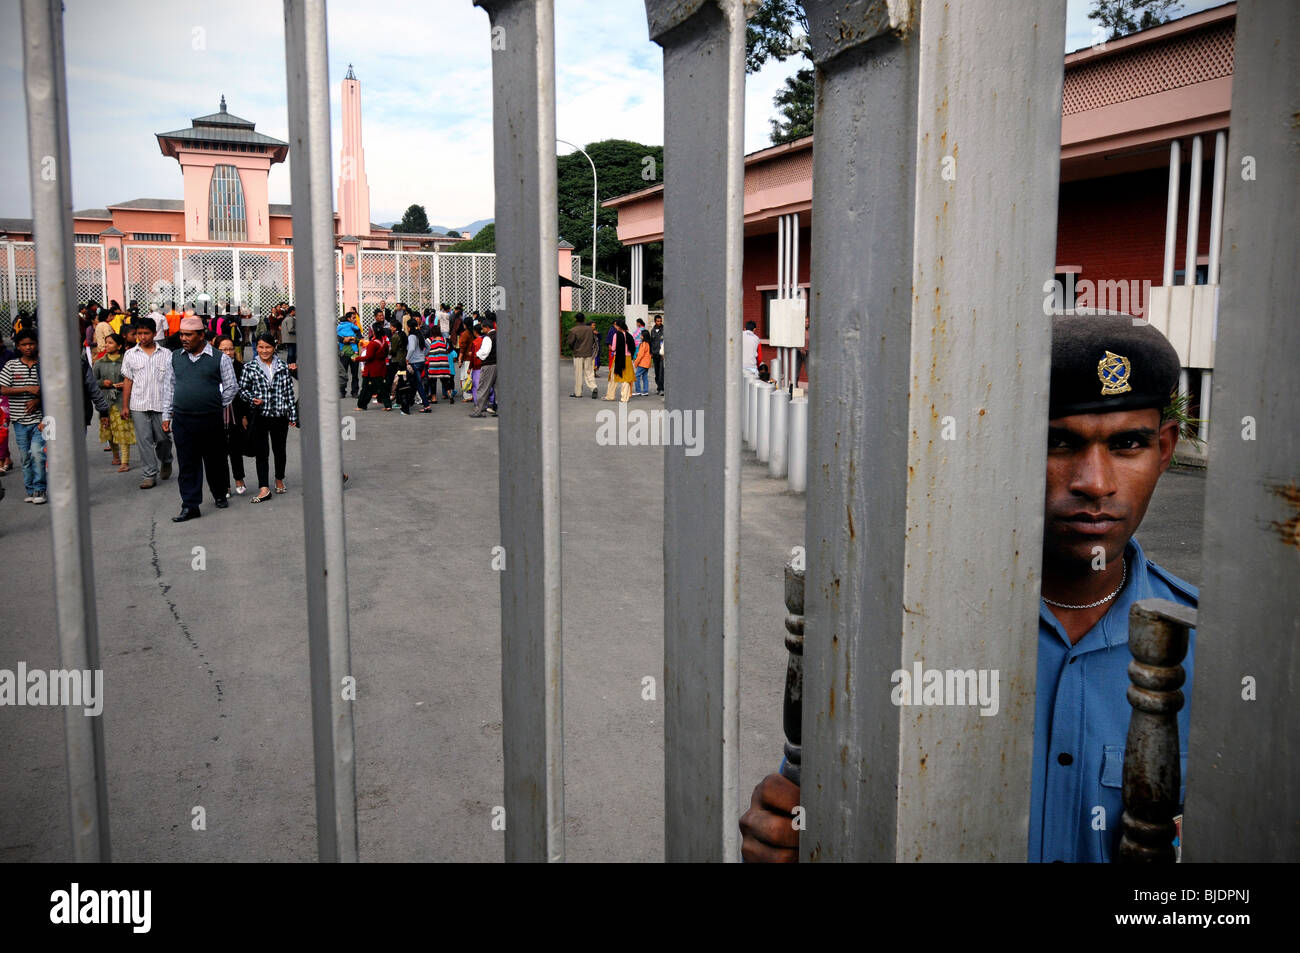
(1102, 363)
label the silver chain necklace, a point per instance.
(1093, 605)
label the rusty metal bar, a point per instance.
(1243, 776)
(306, 58)
(932, 362)
(50, 163)
(793, 710)
(523, 120)
(1157, 637)
(704, 102)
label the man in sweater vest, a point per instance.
(195, 394)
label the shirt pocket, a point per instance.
(1105, 824)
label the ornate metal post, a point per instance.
(1157, 637)
(793, 714)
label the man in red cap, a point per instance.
(201, 384)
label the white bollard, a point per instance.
(751, 413)
(778, 449)
(744, 405)
(798, 476)
(764, 443)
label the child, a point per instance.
(346, 353)
(642, 364)
(403, 392)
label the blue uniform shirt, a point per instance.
(1081, 721)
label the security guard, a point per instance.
(1108, 443)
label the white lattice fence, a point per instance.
(456, 280)
(417, 288)
(151, 274)
(90, 273)
(18, 279)
(598, 296)
(377, 280)
(20, 282)
(485, 279)
(265, 279)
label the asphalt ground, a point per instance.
(206, 670)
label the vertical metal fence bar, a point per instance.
(307, 70)
(1243, 787)
(532, 713)
(50, 163)
(704, 105)
(237, 297)
(939, 303)
(13, 284)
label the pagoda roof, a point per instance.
(222, 128)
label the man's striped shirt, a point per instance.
(17, 374)
(147, 373)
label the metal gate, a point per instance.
(917, 546)
(427, 279)
(18, 288)
(253, 278)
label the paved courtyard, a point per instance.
(206, 672)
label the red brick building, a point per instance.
(1138, 115)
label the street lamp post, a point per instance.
(594, 193)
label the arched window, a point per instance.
(226, 221)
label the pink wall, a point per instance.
(197, 167)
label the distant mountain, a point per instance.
(472, 227)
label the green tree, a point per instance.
(779, 30)
(795, 100)
(1122, 17)
(415, 221)
(621, 167)
(484, 240)
(453, 234)
(771, 33)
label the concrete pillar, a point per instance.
(1243, 786)
(114, 266)
(779, 445)
(763, 428)
(798, 447)
(897, 569)
(351, 272)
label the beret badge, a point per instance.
(1113, 371)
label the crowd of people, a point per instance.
(165, 382)
(218, 388)
(403, 357)
(630, 355)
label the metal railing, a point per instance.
(595, 295)
(253, 278)
(18, 280)
(919, 548)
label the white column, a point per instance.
(1193, 213)
(1212, 276)
(1171, 212)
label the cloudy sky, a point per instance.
(137, 68)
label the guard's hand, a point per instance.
(767, 828)
(167, 426)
